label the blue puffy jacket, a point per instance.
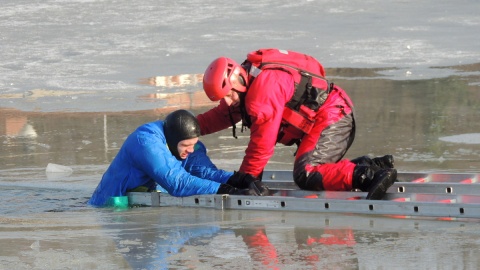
(145, 160)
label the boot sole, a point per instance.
(380, 189)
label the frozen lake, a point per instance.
(79, 76)
(95, 52)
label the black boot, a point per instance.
(383, 180)
(362, 177)
(385, 162)
(378, 163)
(375, 183)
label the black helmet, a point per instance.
(178, 126)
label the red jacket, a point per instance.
(265, 109)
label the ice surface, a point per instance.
(56, 168)
(99, 50)
(92, 56)
(470, 138)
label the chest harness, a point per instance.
(311, 91)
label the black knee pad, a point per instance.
(314, 181)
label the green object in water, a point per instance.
(118, 202)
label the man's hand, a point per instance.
(241, 180)
(228, 189)
(257, 188)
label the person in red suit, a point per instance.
(283, 97)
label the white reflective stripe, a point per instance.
(254, 71)
(283, 51)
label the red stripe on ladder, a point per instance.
(420, 180)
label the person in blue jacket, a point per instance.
(168, 153)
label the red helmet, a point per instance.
(223, 75)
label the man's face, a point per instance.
(185, 147)
(232, 98)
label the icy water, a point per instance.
(78, 76)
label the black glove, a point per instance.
(257, 188)
(227, 189)
(241, 180)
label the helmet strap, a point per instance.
(233, 123)
(246, 120)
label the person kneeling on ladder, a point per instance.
(284, 97)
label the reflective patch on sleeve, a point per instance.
(254, 71)
(283, 51)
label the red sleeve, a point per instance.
(218, 118)
(265, 102)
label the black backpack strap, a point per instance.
(299, 96)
